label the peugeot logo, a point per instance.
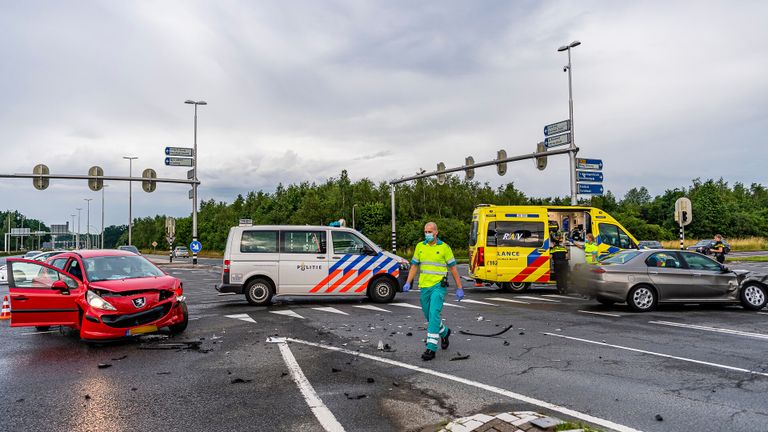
(139, 302)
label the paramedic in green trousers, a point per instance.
(434, 258)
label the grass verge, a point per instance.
(747, 259)
(737, 245)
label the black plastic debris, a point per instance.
(371, 380)
(240, 381)
(284, 374)
(120, 358)
(395, 383)
(506, 343)
(133, 389)
(459, 357)
(104, 365)
(164, 373)
(192, 345)
(659, 417)
(20, 400)
(87, 397)
(522, 333)
(334, 370)
(464, 332)
(409, 334)
(355, 397)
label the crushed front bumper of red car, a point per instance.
(132, 320)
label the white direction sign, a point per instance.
(179, 151)
(557, 140)
(178, 161)
(556, 128)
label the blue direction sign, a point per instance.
(179, 161)
(179, 151)
(556, 128)
(195, 246)
(589, 164)
(557, 140)
(590, 189)
(590, 176)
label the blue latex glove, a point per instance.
(407, 287)
(459, 294)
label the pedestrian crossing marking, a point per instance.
(407, 305)
(479, 302)
(289, 313)
(373, 308)
(506, 300)
(330, 309)
(538, 298)
(242, 317)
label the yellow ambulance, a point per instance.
(510, 245)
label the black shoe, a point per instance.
(428, 355)
(444, 342)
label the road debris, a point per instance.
(459, 357)
(120, 358)
(104, 365)
(240, 381)
(659, 417)
(355, 397)
(464, 332)
(371, 380)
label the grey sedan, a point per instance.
(645, 278)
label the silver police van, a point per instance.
(300, 260)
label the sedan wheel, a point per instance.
(753, 296)
(642, 298)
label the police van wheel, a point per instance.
(515, 287)
(382, 290)
(259, 292)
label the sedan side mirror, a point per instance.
(724, 269)
(61, 286)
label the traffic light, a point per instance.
(685, 216)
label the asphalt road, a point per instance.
(699, 368)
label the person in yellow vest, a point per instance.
(434, 259)
(590, 250)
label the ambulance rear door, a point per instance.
(521, 241)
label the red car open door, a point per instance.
(42, 295)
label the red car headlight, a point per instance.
(97, 302)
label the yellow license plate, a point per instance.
(141, 330)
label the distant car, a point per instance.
(645, 278)
(129, 248)
(705, 246)
(181, 251)
(103, 294)
(45, 255)
(30, 254)
(649, 244)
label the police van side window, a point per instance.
(612, 235)
(347, 243)
(259, 242)
(511, 234)
(308, 242)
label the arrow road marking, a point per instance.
(659, 354)
(712, 329)
(406, 305)
(373, 308)
(493, 389)
(506, 300)
(331, 310)
(538, 298)
(289, 313)
(242, 317)
(478, 302)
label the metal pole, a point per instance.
(77, 237)
(73, 228)
(353, 216)
(572, 154)
(102, 216)
(88, 224)
(394, 223)
(194, 193)
(130, 203)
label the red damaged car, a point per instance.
(104, 294)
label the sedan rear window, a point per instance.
(620, 258)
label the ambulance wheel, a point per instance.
(259, 292)
(515, 287)
(382, 290)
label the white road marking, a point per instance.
(737, 369)
(506, 300)
(373, 308)
(452, 305)
(763, 313)
(562, 296)
(242, 317)
(538, 298)
(712, 329)
(321, 412)
(407, 305)
(331, 310)
(225, 294)
(478, 302)
(288, 312)
(601, 313)
(41, 332)
(517, 396)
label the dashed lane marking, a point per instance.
(330, 309)
(562, 296)
(321, 412)
(538, 298)
(500, 391)
(373, 308)
(406, 305)
(479, 302)
(733, 368)
(601, 313)
(242, 317)
(507, 300)
(712, 329)
(289, 313)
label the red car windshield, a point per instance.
(119, 267)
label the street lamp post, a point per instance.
(73, 224)
(102, 215)
(194, 186)
(572, 154)
(353, 216)
(130, 197)
(77, 236)
(88, 223)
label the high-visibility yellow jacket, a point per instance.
(590, 252)
(433, 261)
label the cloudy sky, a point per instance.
(664, 92)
